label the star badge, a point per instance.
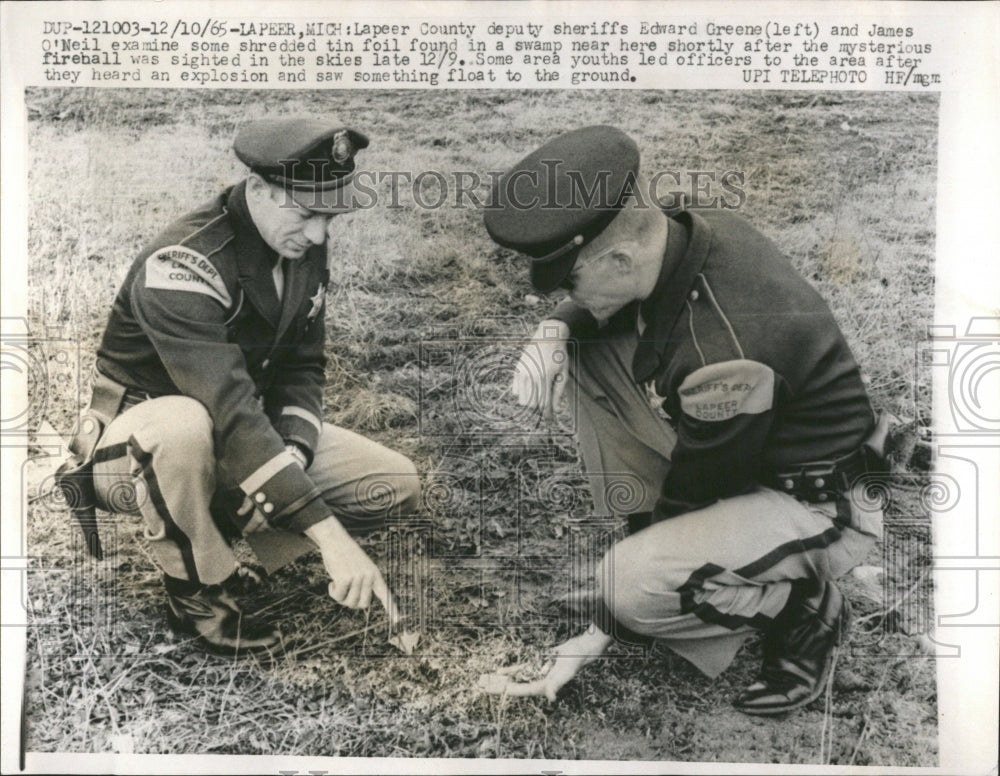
(655, 400)
(317, 301)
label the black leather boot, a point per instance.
(247, 579)
(798, 650)
(210, 614)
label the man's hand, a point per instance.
(543, 369)
(253, 517)
(354, 577)
(570, 657)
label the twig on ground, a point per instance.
(902, 599)
(271, 605)
(828, 712)
(329, 642)
(861, 738)
(868, 716)
(229, 689)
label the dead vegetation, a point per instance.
(424, 320)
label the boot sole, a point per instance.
(177, 627)
(825, 677)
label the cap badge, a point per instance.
(343, 148)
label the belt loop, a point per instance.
(844, 516)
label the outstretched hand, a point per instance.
(354, 577)
(543, 369)
(568, 658)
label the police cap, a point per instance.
(560, 197)
(301, 154)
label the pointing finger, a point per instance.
(365, 594)
(353, 594)
(558, 390)
(536, 687)
(382, 593)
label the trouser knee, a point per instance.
(181, 435)
(394, 492)
(621, 576)
(164, 447)
(404, 485)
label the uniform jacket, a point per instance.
(198, 315)
(751, 367)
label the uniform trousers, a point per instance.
(703, 581)
(157, 458)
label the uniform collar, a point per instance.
(254, 257)
(683, 258)
(237, 204)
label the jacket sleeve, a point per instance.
(724, 415)
(296, 396)
(181, 302)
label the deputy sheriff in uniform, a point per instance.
(209, 389)
(709, 370)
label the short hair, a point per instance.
(632, 224)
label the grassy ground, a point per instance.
(424, 318)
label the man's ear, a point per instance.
(257, 185)
(623, 258)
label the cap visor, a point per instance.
(342, 199)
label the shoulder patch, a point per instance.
(177, 268)
(211, 237)
(727, 389)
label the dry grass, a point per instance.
(843, 182)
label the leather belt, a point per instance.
(133, 397)
(821, 481)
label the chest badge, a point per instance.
(317, 301)
(655, 400)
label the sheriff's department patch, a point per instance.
(180, 269)
(727, 389)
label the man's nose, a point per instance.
(315, 230)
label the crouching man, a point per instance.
(208, 391)
(708, 368)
